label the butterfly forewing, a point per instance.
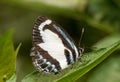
(53, 49)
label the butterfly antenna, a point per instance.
(82, 32)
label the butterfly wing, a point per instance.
(53, 44)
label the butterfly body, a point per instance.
(53, 49)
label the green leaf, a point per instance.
(109, 68)
(107, 40)
(12, 79)
(87, 62)
(7, 56)
(16, 51)
(94, 58)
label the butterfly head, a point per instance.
(80, 50)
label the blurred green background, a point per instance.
(100, 18)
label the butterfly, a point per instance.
(53, 49)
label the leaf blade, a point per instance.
(81, 71)
(8, 56)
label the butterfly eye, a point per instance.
(80, 50)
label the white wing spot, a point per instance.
(42, 25)
(54, 46)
